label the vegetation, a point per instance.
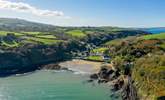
(146, 56)
(149, 73)
(95, 58)
(100, 50)
(32, 33)
(46, 41)
(25, 46)
(47, 36)
(155, 36)
(76, 33)
(11, 44)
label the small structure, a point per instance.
(106, 57)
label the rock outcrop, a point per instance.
(119, 82)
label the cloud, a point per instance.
(23, 7)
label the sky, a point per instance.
(121, 13)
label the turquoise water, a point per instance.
(156, 30)
(50, 85)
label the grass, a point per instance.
(30, 37)
(76, 33)
(95, 58)
(113, 42)
(43, 40)
(32, 33)
(13, 44)
(100, 50)
(47, 36)
(148, 72)
(119, 41)
(154, 36)
(162, 45)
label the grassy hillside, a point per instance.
(76, 33)
(26, 37)
(146, 55)
(155, 36)
(14, 24)
(148, 74)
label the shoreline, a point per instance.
(75, 65)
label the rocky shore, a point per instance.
(120, 83)
(102, 73)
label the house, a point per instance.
(106, 57)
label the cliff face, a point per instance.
(30, 57)
(129, 91)
(120, 83)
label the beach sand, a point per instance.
(82, 66)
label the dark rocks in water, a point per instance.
(89, 81)
(117, 73)
(122, 83)
(105, 73)
(161, 98)
(94, 76)
(116, 87)
(110, 72)
(64, 68)
(52, 66)
(102, 81)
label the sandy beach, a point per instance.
(82, 66)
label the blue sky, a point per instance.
(123, 13)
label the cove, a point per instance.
(52, 85)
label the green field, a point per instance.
(154, 36)
(76, 33)
(100, 50)
(95, 58)
(11, 45)
(29, 37)
(43, 40)
(4, 33)
(113, 42)
(32, 33)
(46, 36)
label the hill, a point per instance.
(155, 36)
(26, 46)
(14, 24)
(143, 59)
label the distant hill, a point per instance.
(14, 24)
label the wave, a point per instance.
(77, 71)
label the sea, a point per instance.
(53, 85)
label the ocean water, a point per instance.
(51, 85)
(156, 30)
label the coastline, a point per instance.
(94, 70)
